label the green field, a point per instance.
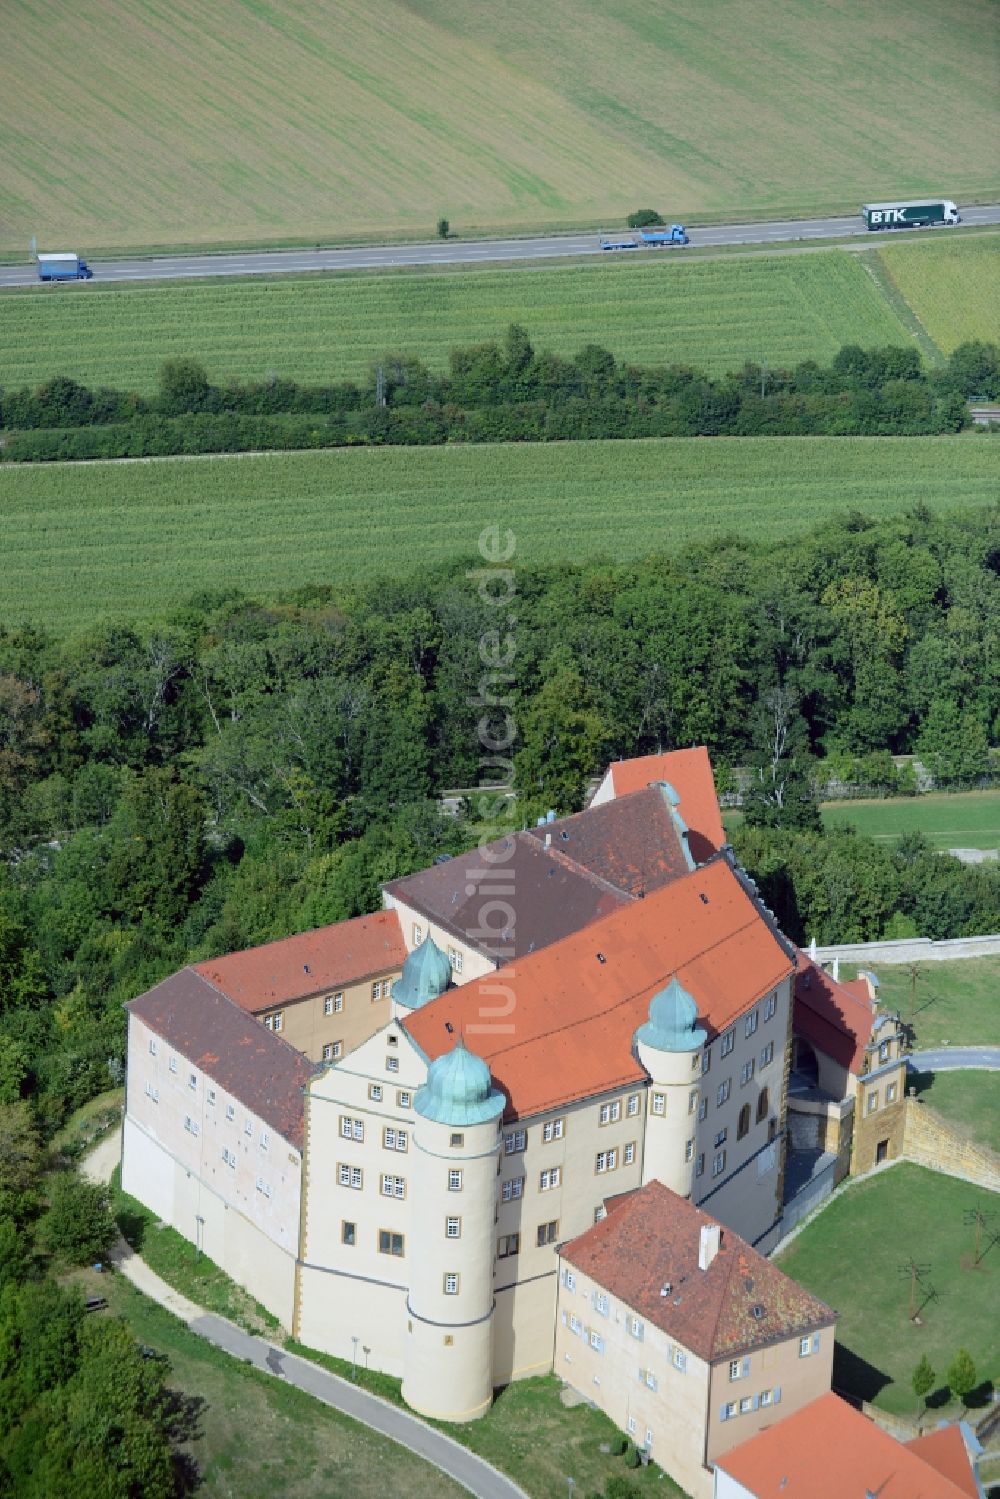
(142, 123)
(949, 819)
(132, 540)
(852, 1256)
(953, 288)
(969, 1100)
(951, 1004)
(712, 314)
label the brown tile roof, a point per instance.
(945, 1451)
(689, 772)
(650, 1239)
(550, 895)
(558, 1025)
(231, 1048)
(632, 842)
(836, 1018)
(294, 967)
(828, 1450)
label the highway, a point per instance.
(459, 252)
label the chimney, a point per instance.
(548, 840)
(708, 1247)
(836, 970)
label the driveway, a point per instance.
(951, 1058)
(473, 1473)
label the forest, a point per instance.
(500, 392)
(251, 768)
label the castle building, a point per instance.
(428, 1176)
(683, 1334)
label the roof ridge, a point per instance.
(275, 1037)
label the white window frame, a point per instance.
(550, 1178)
(453, 1228)
(350, 1176)
(750, 1023)
(658, 1104)
(553, 1129)
(454, 1180)
(512, 1189)
(728, 1041)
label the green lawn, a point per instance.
(852, 1255)
(133, 540)
(957, 1004)
(712, 314)
(968, 819)
(212, 120)
(968, 1100)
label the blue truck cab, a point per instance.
(659, 238)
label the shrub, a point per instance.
(78, 1224)
(632, 1458)
(644, 218)
(617, 1446)
(618, 1487)
(443, 228)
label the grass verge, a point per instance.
(949, 1004)
(881, 1223)
(969, 1101)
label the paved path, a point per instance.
(952, 1058)
(461, 252)
(468, 1470)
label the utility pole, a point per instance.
(916, 1273)
(978, 1218)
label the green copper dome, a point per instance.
(458, 1090)
(673, 1021)
(426, 974)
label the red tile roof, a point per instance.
(558, 1025)
(234, 1050)
(650, 1239)
(294, 967)
(836, 1018)
(946, 1451)
(828, 1450)
(689, 772)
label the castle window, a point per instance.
(190, 1125)
(375, 1092)
(153, 1093)
(229, 1156)
(348, 1233)
(632, 1107)
(763, 1104)
(890, 1093)
(597, 1342)
(390, 1243)
(884, 1051)
(722, 1137)
(248, 1127)
(750, 1024)
(263, 1187)
(403, 1099)
(699, 1165)
(457, 1141)
(173, 1064)
(507, 1245)
(210, 1097)
(767, 1055)
(418, 934)
(454, 1181)
(328, 1005)
(706, 1060)
(692, 1100)
(728, 1041)
(703, 1109)
(631, 1425)
(610, 1112)
(392, 1064)
(549, 1179)
(739, 1368)
(629, 1153)
(547, 1232)
(230, 1111)
(264, 1139)
(872, 1102)
(689, 1150)
(331, 1051)
(636, 1328)
(192, 1081)
(455, 959)
(350, 1176)
(770, 1006)
(649, 1379)
(351, 1129)
(723, 1092)
(743, 1124)
(606, 1160)
(719, 1163)
(451, 1283)
(453, 1228)
(152, 1046)
(680, 1360)
(553, 1129)
(274, 1022)
(746, 1072)
(658, 1103)
(395, 1139)
(378, 989)
(517, 1140)
(512, 1189)
(602, 1303)
(575, 1325)
(393, 1186)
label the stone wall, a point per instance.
(931, 1141)
(909, 950)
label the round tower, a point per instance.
(669, 1047)
(448, 1351)
(426, 974)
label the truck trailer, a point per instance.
(63, 267)
(656, 239)
(909, 215)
